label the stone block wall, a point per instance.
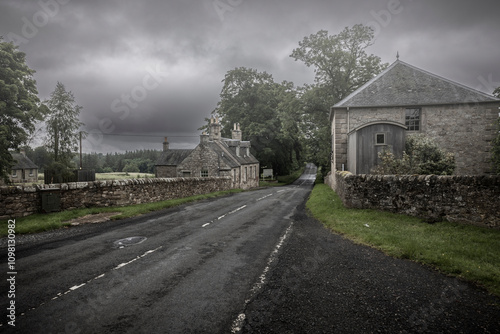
(23, 201)
(463, 199)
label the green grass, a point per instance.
(121, 176)
(45, 222)
(468, 252)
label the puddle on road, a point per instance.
(130, 241)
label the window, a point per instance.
(31, 172)
(412, 119)
(204, 173)
(186, 174)
(14, 173)
(380, 139)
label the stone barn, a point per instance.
(404, 100)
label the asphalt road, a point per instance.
(253, 262)
(190, 269)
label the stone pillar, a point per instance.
(339, 139)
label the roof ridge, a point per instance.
(448, 80)
(411, 77)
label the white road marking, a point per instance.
(238, 322)
(75, 287)
(260, 199)
(225, 215)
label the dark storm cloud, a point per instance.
(155, 67)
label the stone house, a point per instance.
(23, 170)
(213, 156)
(404, 100)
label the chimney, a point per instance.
(236, 132)
(214, 129)
(165, 145)
(22, 151)
(203, 138)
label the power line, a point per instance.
(144, 135)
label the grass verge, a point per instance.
(468, 252)
(45, 222)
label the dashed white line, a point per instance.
(224, 215)
(75, 287)
(260, 199)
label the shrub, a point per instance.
(421, 156)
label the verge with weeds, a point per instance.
(465, 251)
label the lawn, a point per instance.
(468, 252)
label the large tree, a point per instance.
(62, 125)
(268, 114)
(341, 65)
(19, 104)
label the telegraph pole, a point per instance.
(80, 150)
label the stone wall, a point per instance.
(464, 199)
(22, 201)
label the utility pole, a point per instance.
(80, 150)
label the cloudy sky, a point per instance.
(153, 68)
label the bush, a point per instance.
(131, 168)
(421, 156)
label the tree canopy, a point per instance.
(268, 113)
(19, 104)
(340, 61)
(341, 65)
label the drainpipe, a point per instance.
(348, 121)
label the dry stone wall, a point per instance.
(23, 201)
(464, 199)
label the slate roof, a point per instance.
(402, 84)
(172, 157)
(224, 148)
(242, 159)
(22, 162)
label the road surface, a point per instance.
(253, 262)
(190, 269)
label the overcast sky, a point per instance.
(155, 67)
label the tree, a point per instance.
(62, 125)
(341, 62)
(19, 104)
(341, 65)
(268, 114)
